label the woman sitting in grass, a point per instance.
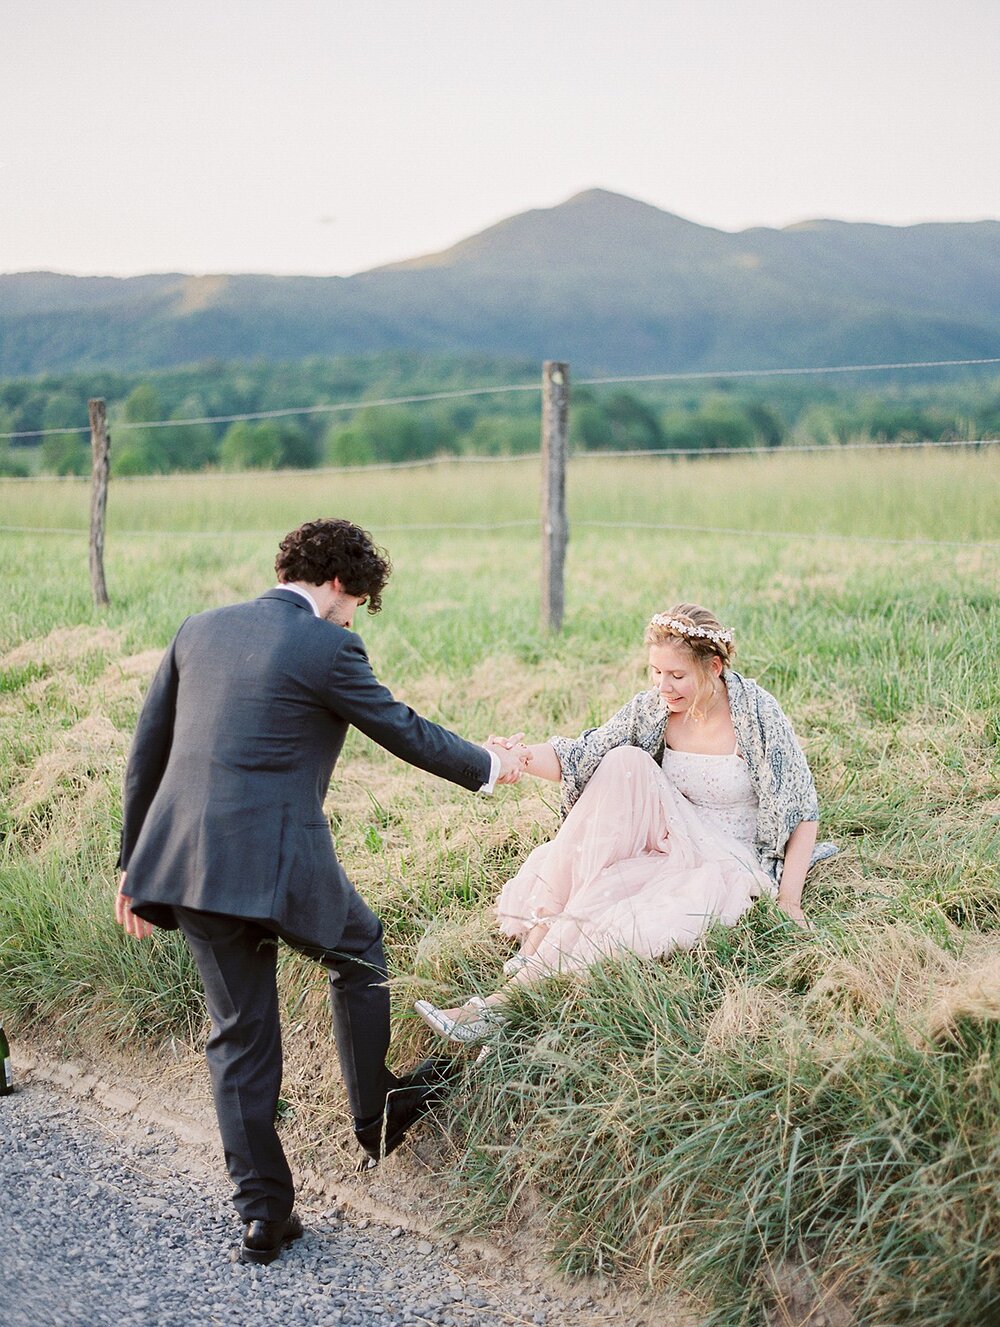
(693, 800)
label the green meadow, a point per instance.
(774, 1105)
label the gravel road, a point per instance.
(99, 1229)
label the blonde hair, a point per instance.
(703, 640)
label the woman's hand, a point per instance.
(509, 742)
(516, 755)
(793, 911)
(539, 759)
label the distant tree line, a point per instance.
(721, 414)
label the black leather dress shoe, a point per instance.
(264, 1240)
(416, 1093)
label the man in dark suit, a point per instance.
(224, 836)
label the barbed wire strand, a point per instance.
(476, 527)
(429, 462)
(833, 448)
(457, 394)
(286, 411)
(425, 462)
(777, 373)
(261, 534)
(789, 534)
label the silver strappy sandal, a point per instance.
(467, 1031)
(515, 964)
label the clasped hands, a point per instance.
(513, 755)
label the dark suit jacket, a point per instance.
(232, 758)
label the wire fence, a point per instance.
(431, 462)
(489, 527)
(481, 527)
(286, 412)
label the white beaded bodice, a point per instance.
(719, 786)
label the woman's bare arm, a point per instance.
(798, 851)
(542, 760)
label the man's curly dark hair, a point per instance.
(319, 550)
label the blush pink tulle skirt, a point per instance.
(635, 867)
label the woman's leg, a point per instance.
(536, 935)
(471, 1013)
(619, 816)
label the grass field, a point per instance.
(829, 1099)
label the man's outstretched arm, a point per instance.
(356, 694)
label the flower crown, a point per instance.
(686, 629)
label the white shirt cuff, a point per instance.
(494, 771)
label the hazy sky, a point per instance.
(327, 136)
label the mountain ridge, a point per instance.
(606, 281)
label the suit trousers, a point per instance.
(237, 961)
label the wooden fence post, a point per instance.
(555, 530)
(100, 445)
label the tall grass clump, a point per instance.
(785, 1124)
(717, 1119)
